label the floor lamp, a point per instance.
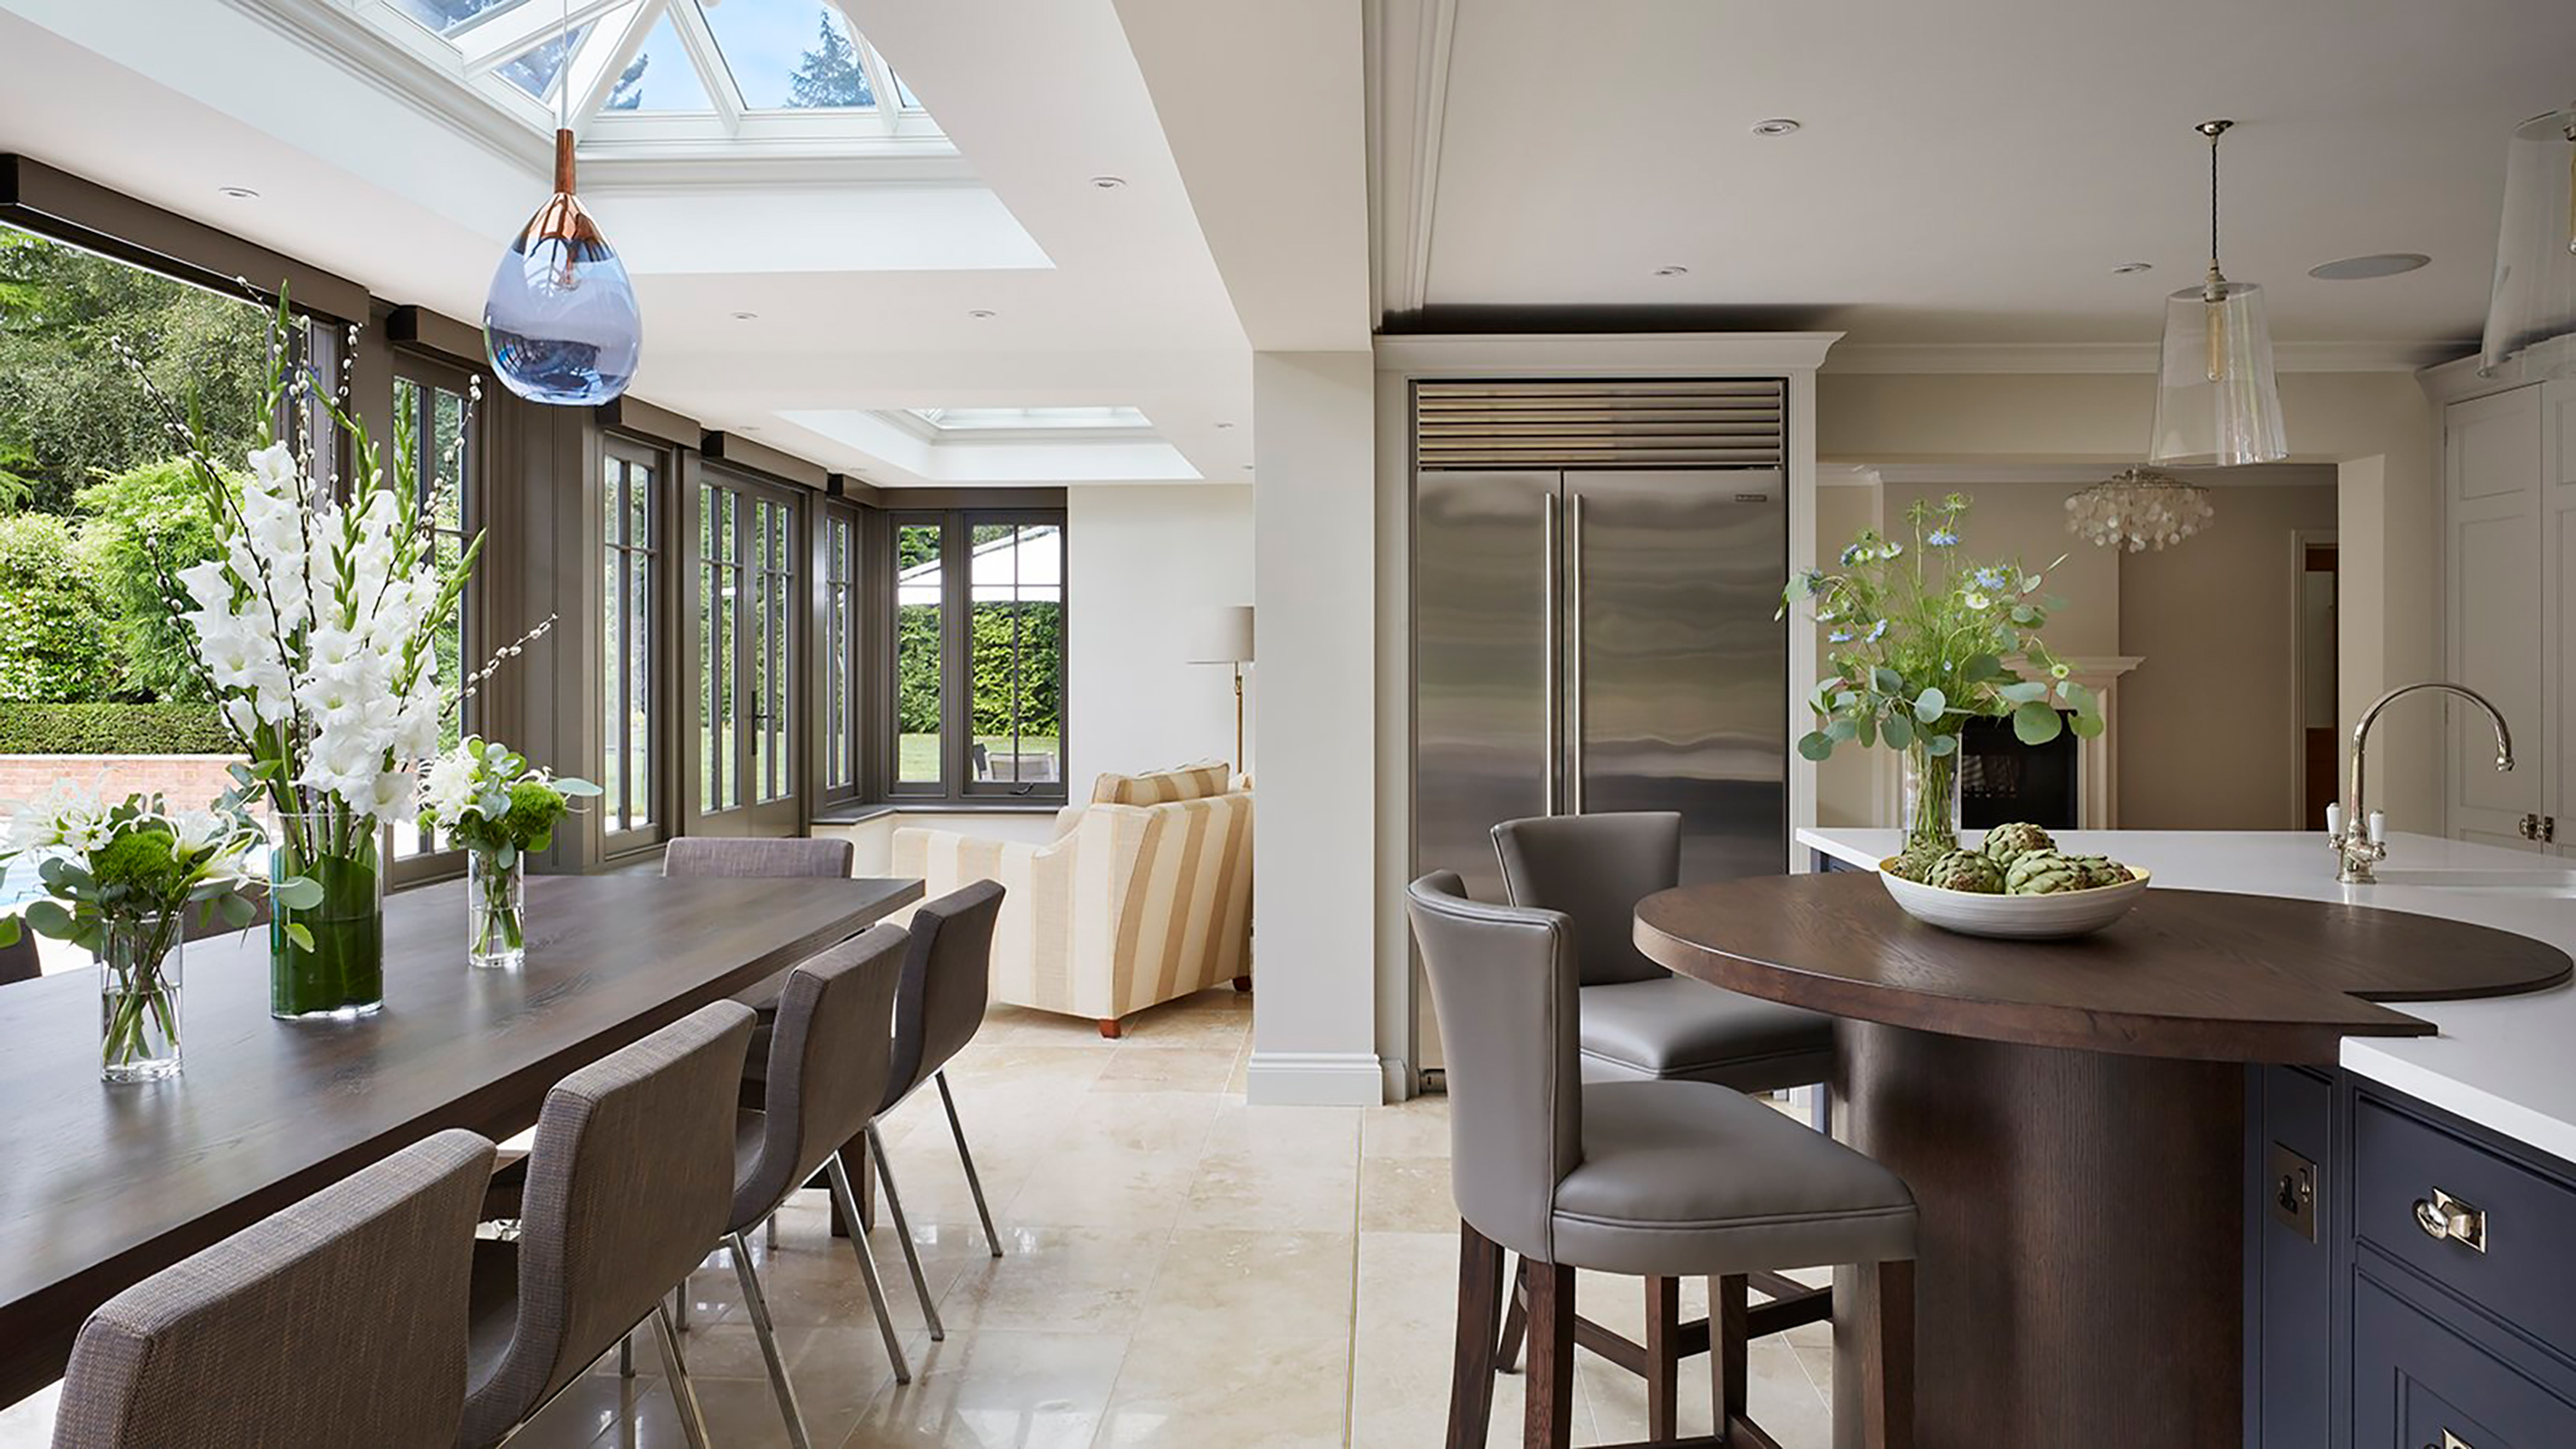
(1224, 636)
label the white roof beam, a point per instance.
(512, 32)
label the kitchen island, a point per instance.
(2408, 1204)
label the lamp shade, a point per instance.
(1221, 635)
(2218, 404)
(2534, 299)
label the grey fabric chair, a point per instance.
(219, 1350)
(826, 1073)
(631, 1178)
(1658, 1179)
(947, 983)
(18, 959)
(741, 858)
(1641, 1021)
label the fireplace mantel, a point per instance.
(2097, 761)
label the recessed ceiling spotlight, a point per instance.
(2362, 269)
(2128, 269)
(1672, 271)
(1109, 183)
(980, 312)
(1776, 126)
(746, 316)
(238, 193)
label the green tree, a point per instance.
(128, 519)
(53, 625)
(830, 74)
(70, 410)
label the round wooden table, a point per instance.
(2071, 1118)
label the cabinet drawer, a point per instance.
(2416, 1381)
(2528, 1220)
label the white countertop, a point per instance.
(2508, 1063)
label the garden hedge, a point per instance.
(111, 729)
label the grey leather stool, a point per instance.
(340, 1320)
(1657, 1179)
(1641, 1022)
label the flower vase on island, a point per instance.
(119, 882)
(1919, 642)
(499, 809)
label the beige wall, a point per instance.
(2377, 425)
(1848, 784)
(2208, 723)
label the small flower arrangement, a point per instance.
(1918, 641)
(119, 881)
(495, 805)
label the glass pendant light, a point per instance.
(2217, 402)
(2534, 301)
(561, 324)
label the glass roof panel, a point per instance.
(790, 54)
(995, 419)
(449, 16)
(660, 78)
(534, 70)
(903, 93)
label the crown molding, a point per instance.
(1604, 354)
(2060, 474)
(1410, 75)
(2120, 357)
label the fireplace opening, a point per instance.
(2003, 780)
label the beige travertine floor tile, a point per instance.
(1167, 1069)
(1406, 1195)
(1783, 1399)
(1419, 1128)
(1142, 1122)
(1093, 1187)
(1057, 1280)
(1246, 1341)
(989, 1390)
(1407, 1327)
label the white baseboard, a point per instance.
(1315, 1079)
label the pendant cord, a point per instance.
(563, 81)
(2213, 204)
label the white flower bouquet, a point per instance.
(500, 808)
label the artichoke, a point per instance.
(2008, 843)
(1915, 863)
(2045, 873)
(2101, 870)
(1966, 870)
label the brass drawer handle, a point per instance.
(2446, 1217)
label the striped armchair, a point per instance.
(1145, 898)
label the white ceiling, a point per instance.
(1969, 171)
(862, 278)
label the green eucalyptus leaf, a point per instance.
(1815, 745)
(581, 788)
(236, 909)
(2035, 723)
(2024, 614)
(1841, 729)
(1941, 744)
(49, 918)
(302, 938)
(543, 840)
(8, 930)
(1980, 668)
(2023, 691)
(1867, 728)
(1899, 732)
(296, 893)
(1887, 681)
(2086, 726)
(1929, 705)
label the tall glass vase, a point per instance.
(1932, 795)
(327, 961)
(138, 999)
(496, 934)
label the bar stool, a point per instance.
(365, 1280)
(1654, 1179)
(826, 1072)
(631, 1177)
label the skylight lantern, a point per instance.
(561, 324)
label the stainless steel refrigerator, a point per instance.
(1598, 640)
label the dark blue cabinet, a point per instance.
(2435, 1305)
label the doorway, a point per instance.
(2314, 596)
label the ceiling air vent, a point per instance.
(1659, 423)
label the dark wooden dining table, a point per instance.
(102, 1185)
(2070, 1116)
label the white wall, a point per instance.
(1144, 561)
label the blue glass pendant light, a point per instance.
(561, 324)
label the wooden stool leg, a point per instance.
(1726, 1345)
(1549, 1422)
(1507, 1359)
(1663, 1357)
(1887, 1397)
(1471, 1377)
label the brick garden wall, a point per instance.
(187, 781)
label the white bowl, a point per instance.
(2015, 918)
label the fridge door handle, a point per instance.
(1574, 653)
(1554, 703)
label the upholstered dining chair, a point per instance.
(632, 1176)
(368, 1275)
(1653, 1179)
(1640, 1022)
(829, 1055)
(947, 983)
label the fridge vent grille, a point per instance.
(1666, 423)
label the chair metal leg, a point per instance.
(758, 1305)
(626, 1355)
(847, 1199)
(693, 1424)
(973, 1183)
(903, 1231)
(769, 1230)
(680, 1306)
